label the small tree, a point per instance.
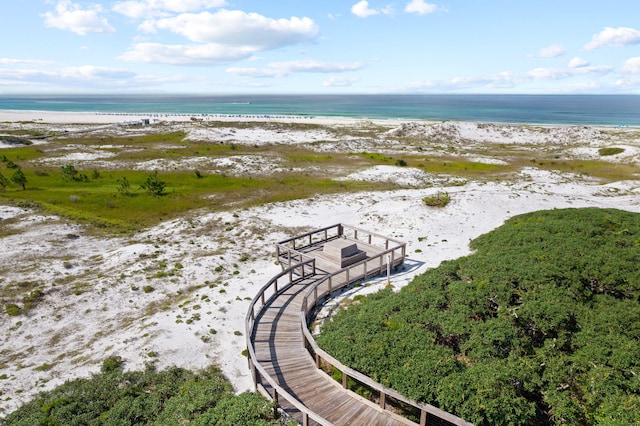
(4, 182)
(19, 178)
(124, 187)
(69, 172)
(153, 185)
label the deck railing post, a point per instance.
(325, 235)
(317, 361)
(344, 379)
(423, 418)
(305, 419)
(386, 245)
(369, 239)
(383, 399)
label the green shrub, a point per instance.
(147, 289)
(441, 199)
(169, 397)
(610, 151)
(153, 185)
(12, 309)
(540, 325)
(112, 363)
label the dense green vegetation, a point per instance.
(540, 325)
(170, 397)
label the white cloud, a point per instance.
(617, 37)
(238, 28)
(558, 73)
(632, 66)
(547, 73)
(420, 7)
(335, 81)
(362, 10)
(220, 37)
(600, 69)
(72, 76)
(178, 54)
(282, 69)
(500, 80)
(11, 61)
(578, 63)
(552, 51)
(71, 17)
(145, 8)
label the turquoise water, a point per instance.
(610, 110)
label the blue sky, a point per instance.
(320, 46)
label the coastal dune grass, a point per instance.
(299, 172)
(99, 203)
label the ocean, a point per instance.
(608, 110)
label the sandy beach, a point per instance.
(94, 303)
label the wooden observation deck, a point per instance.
(286, 363)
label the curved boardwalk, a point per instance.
(283, 357)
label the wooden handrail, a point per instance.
(256, 368)
(392, 256)
(347, 372)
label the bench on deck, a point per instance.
(342, 252)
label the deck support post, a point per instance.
(383, 400)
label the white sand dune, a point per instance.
(204, 270)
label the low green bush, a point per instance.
(610, 151)
(174, 396)
(441, 199)
(540, 325)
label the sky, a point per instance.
(320, 46)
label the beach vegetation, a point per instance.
(4, 182)
(610, 151)
(440, 199)
(69, 173)
(540, 325)
(149, 397)
(19, 178)
(153, 185)
(12, 309)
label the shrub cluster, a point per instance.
(170, 397)
(541, 325)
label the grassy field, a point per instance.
(299, 171)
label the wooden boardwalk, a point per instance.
(283, 357)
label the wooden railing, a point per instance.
(310, 302)
(392, 256)
(384, 394)
(268, 292)
(289, 251)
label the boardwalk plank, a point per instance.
(279, 350)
